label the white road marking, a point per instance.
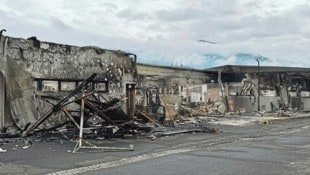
(120, 162)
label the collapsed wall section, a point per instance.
(26, 60)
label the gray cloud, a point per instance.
(178, 14)
(132, 15)
(110, 6)
(168, 31)
(60, 25)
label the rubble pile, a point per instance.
(201, 109)
(99, 117)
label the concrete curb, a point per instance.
(268, 119)
(243, 120)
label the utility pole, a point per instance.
(258, 89)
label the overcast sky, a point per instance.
(170, 31)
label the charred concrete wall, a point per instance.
(272, 89)
(57, 61)
(22, 61)
(172, 80)
(176, 85)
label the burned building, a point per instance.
(35, 75)
(32, 70)
(229, 89)
(174, 86)
(180, 81)
(264, 88)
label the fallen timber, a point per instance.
(57, 107)
(114, 122)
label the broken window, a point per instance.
(48, 85)
(101, 86)
(67, 86)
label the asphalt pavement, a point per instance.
(277, 147)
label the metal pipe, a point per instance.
(2, 100)
(81, 121)
(258, 89)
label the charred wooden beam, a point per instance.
(147, 117)
(99, 112)
(57, 107)
(71, 118)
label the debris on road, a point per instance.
(2, 150)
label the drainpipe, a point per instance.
(258, 89)
(1, 31)
(2, 101)
(219, 79)
(2, 87)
